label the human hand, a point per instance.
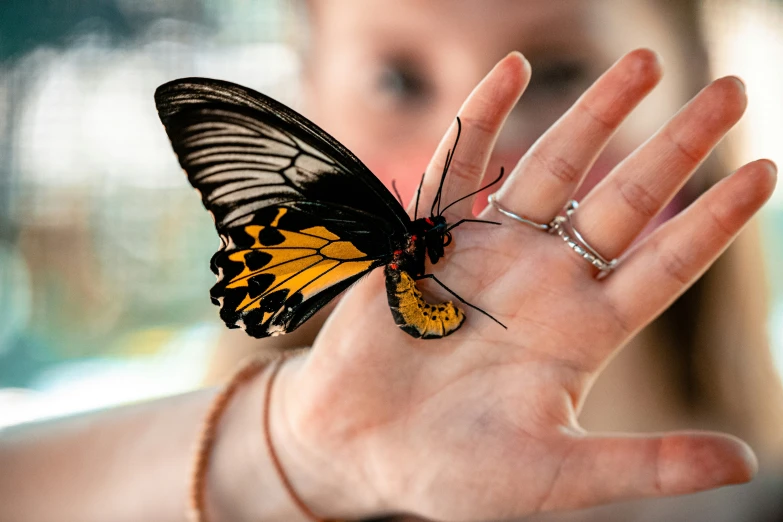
(483, 424)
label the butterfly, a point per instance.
(300, 218)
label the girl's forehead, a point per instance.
(477, 19)
(485, 30)
(437, 17)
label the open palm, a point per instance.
(481, 425)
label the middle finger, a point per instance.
(549, 173)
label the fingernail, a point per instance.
(771, 167)
(739, 82)
(519, 56)
(658, 57)
(655, 55)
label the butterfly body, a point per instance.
(411, 312)
(300, 218)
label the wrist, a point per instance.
(325, 473)
(242, 483)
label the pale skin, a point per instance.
(387, 77)
(481, 425)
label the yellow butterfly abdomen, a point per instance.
(416, 316)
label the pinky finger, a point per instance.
(665, 264)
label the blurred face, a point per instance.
(387, 77)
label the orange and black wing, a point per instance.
(277, 270)
(300, 218)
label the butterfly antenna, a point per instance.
(485, 187)
(418, 194)
(397, 192)
(447, 164)
(436, 200)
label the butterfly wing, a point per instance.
(244, 151)
(300, 217)
(290, 260)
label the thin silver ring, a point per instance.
(563, 227)
(546, 227)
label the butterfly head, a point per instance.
(436, 231)
(436, 237)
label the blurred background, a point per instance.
(104, 247)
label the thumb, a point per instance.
(601, 469)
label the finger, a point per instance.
(607, 469)
(552, 169)
(482, 116)
(614, 213)
(667, 262)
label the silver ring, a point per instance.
(563, 227)
(540, 226)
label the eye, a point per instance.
(401, 82)
(557, 78)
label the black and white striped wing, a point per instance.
(300, 218)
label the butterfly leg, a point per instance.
(449, 290)
(461, 221)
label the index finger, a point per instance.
(482, 115)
